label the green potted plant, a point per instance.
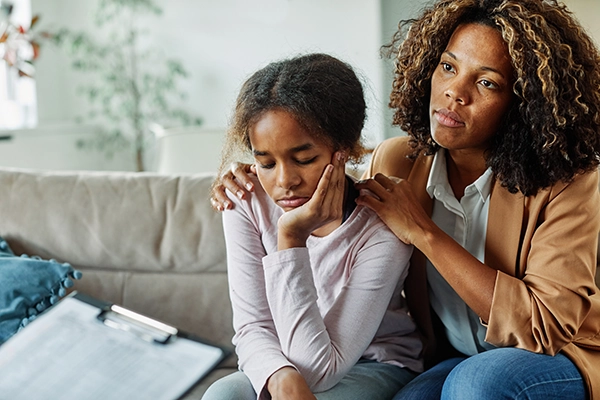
(132, 86)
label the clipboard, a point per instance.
(84, 348)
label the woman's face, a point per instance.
(471, 89)
(289, 160)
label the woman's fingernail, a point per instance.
(249, 186)
(341, 156)
(240, 194)
(226, 204)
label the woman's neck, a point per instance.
(463, 168)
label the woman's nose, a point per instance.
(456, 90)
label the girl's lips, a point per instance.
(292, 202)
(448, 118)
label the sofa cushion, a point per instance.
(29, 286)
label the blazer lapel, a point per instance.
(505, 219)
(418, 178)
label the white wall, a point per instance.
(588, 13)
(221, 43)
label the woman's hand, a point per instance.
(397, 205)
(399, 208)
(287, 384)
(325, 206)
(237, 180)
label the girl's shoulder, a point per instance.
(256, 205)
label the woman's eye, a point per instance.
(446, 67)
(488, 84)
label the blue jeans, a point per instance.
(503, 373)
(366, 380)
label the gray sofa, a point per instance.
(148, 242)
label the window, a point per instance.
(18, 106)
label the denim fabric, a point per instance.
(367, 380)
(503, 373)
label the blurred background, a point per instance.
(149, 84)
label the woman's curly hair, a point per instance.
(552, 130)
(323, 94)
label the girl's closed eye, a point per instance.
(307, 161)
(266, 166)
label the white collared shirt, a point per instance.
(466, 222)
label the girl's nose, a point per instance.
(287, 178)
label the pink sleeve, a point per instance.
(257, 345)
(324, 349)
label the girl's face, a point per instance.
(471, 89)
(289, 160)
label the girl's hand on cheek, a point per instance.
(325, 206)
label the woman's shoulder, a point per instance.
(391, 158)
(581, 183)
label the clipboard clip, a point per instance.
(145, 328)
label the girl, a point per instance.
(315, 281)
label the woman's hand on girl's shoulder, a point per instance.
(393, 199)
(237, 180)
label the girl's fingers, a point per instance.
(335, 192)
(323, 186)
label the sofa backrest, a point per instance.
(145, 241)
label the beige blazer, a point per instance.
(544, 249)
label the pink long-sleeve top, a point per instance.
(318, 308)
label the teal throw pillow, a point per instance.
(28, 286)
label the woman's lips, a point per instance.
(448, 118)
(292, 202)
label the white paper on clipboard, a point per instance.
(68, 353)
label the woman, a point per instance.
(496, 186)
(315, 280)
(500, 196)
